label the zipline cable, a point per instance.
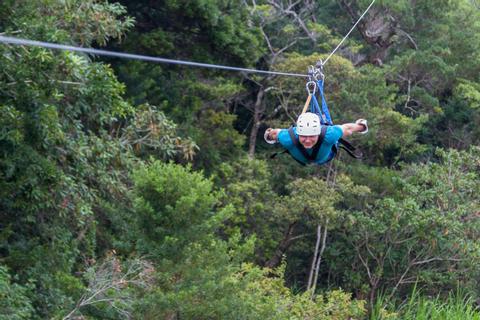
(26, 42)
(346, 36)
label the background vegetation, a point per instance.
(145, 191)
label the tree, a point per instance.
(111, 284)
(200, 100)
(174, 207)
(63, 160)
(14, 302)
(199, 276)
(425, 237)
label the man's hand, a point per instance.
(271, 135)
(363, 123)
(359, 126)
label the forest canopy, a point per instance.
(139, 190)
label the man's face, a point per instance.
(308, 141)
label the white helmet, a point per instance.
(308, 124)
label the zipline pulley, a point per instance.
(318, 73)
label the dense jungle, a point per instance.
(140, 190)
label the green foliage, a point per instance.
(199, 286)
(458, 119)
(57, 157)
(470, 92)
(151, 133)
(200, 107)
(422, 75)
(14, 302)
(395, 136)
(217, 139)
(457, 305)
(379, 179)
(174, 207)
(207, 285)
(303, 203)
(202, 277)
(74, 21)
(422, 237)
(271, 300)
(11, 127)
(84, 169)
(253, 202)
(218, 24)
(207, 31)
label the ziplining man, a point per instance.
(309, 141)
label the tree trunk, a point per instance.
(275, 260)
(259, 109)
(319, 259)
(314, 260)
(378, 29)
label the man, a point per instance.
(310, 142)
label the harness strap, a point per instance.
(315, 108)
(325, 111)
(286, 151)
(300, 162)
(307, 103)
(350, 149)
(277, 153)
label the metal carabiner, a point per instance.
(311, 91)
